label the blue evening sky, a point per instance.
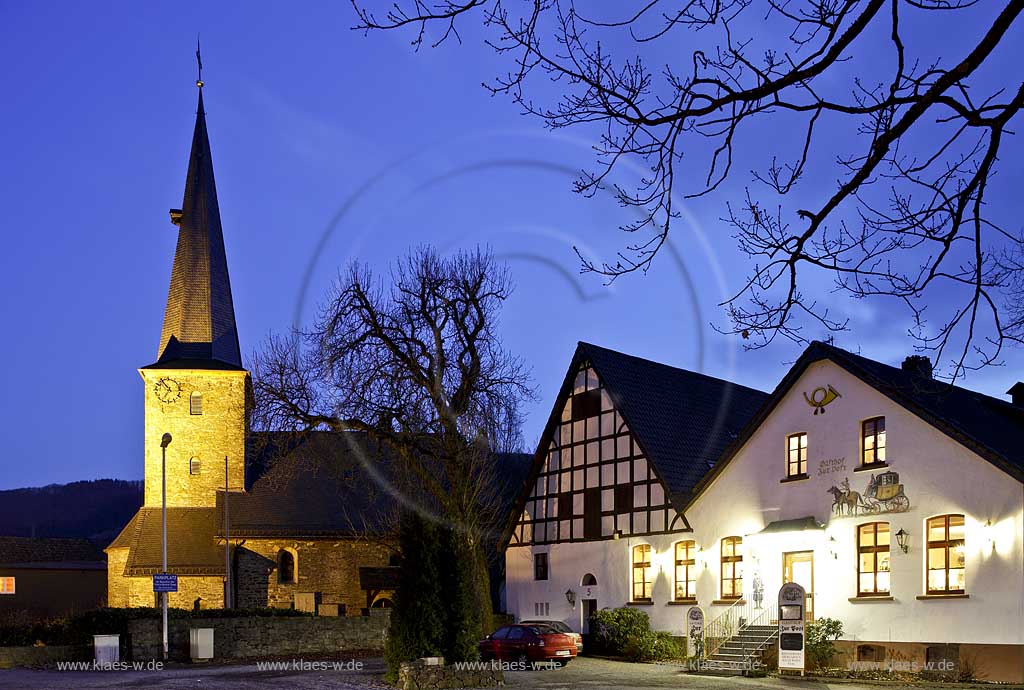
(329, 145)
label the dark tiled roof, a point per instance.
(192, 547)
(199, 322)
(321, 484)
(682, 419)
(332, 484)
(28, 552)
(991, 427)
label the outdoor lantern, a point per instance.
(901, 538)
(986, 533)
(570, 596)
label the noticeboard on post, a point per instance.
(792, 599)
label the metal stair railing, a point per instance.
(741, 614)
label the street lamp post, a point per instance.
(164, 442)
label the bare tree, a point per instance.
(418, 369)
(914, 138)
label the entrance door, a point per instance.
(798, 567)
(589, 609)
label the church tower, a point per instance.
(197, 390)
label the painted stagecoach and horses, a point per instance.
(884, 494)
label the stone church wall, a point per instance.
(124, 592)
(330, 567)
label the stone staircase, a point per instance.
(738, 655)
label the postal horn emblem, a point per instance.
(820, 397)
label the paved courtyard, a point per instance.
(583, 673)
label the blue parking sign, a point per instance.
(165, 582)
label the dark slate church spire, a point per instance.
(199, 323)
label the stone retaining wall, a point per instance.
(262, 636)
(418, 675)
(42, 656)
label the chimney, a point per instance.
(919, 365)
(1016, 394)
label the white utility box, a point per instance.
(200, 643)
(107, 648)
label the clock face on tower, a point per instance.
(167, 390)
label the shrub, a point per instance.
(820, 636)
(612, 628)
(627, 632)
(653, 646)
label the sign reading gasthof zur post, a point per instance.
(792, 599)
(165, 582)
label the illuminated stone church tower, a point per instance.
(197, 390)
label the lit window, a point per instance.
(540, 566)
(873, 441)
(285, 567)
(686, 572)
(796, 456)
(195, 402)
(873, 559)
(732, 567)
(946, 560)
(643, 573)
(195, 466)
(6, 585)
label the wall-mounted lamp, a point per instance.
(986, 535)
(570, 596)
(832, 547)
(617, 534)
(902, 538)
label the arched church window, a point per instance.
(285, 566)
(196, 403)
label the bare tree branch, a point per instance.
(915, 139)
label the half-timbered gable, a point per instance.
(593, 481)
(626, 442)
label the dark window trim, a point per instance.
(874, 550)
(540, 566)
(723, 559)
(689, 565)
(948, 544)
(872, 466)
(641, 568)
(875, 433)
(800, 464)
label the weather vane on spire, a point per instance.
(199, 60)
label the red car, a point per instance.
(528, 644)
